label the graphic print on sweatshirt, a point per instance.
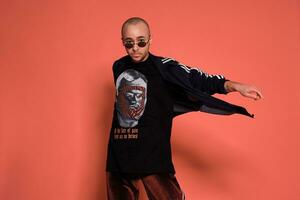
(131, 97)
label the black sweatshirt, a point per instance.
(148, 95)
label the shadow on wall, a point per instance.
(100, 105)
(212, 163)
(211, 169)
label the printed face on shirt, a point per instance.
(131, 87)
(135, 96)
(136, 33)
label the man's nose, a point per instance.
(135, 47)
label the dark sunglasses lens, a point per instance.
(128, 45)
(142, 43)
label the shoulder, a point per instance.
(119, 62)
(164, 60)
(169, 60)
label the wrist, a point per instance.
(231, 86)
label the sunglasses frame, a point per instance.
(130, 45)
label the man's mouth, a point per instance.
(136, 55)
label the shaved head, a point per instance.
(133, 21)
(135, 30)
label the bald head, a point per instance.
(135, 31)
(134, 21)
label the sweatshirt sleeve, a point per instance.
(199, 79)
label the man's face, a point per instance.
(135, 33)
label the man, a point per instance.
(150, 92)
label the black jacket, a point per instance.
(194, 87)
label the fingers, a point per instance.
(252, 96)
(259, 94)
(256, 95)
(250, 92)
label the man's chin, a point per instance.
(137, 59)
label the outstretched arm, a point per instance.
(245, 90)
(195, 77)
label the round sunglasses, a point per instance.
(129, 44)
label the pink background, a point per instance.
(57, 93)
